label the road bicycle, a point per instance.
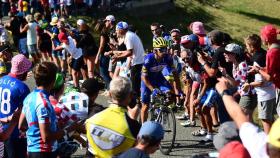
(160, 111)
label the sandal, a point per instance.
(200, 132)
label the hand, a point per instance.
(196, 102)
(222, 85)
(15, 117)
(156, 92)
(200, 58)
(222, 70)
(245, 87)
(254, 69)
(114, 59)
(108, 53)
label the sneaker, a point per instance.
(200, 132)
(188, 123)
(182, 117)
(208, 138)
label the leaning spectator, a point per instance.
(148, 140)
(120, 93)
(134, 49)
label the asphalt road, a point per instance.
(185, 145)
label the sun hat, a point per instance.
(228, 131)
(152, 129)
(54, 21)
(91, 86)
(269, 33)
(80, 22)
(234, 149)
(62, 37)
(20, 64)
(122, 25)
(197, 28)
(189, 38)
(234, 48)
(274, 135)
(59, 81)
(110, 18)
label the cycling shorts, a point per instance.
(209, 98)
(160, 83)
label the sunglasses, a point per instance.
(162, 50)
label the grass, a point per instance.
(239, 18)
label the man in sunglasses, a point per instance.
(153, 82)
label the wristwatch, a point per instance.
(225, 92)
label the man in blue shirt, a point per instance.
(12, 93)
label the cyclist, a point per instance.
(153, 81)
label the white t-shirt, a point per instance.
(71, 48)
(254, 140)
(132, 41)
(31, 33)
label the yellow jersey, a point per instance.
(108, 132)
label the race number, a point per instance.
(5, 97)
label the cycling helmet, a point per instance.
(159, 42)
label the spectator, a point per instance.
(88, 45)
(265, 90)
(271, 71)
(234, 149)
(254, 140)
(15, 91)
(3, 35)
(14, 26)
(148, 140)
(135, 50)
(120, 94)
(32, 44)
(42, 132)
(248, 99)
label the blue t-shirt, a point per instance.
(153, 68)
(12, 93)
(38, 109)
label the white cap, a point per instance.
(110, 18)
(80, 22)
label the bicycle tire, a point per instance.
(167, 145)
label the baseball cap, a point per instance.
(91, 86)
(110, 18)
(122, 25)
(269, 33)
(274, 136)
(54, 21)
(20, 64)
(228, 131)
(197, 28)
(175, 30)
(234, 149)
(59, 81)
(152, 129)
(189, 38)
(233, 48)
(80, 22)
(62, 37)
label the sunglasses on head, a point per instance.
(162, 50)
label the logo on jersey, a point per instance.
(105, 138)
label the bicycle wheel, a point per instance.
(167, 120)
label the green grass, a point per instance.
(239, 18)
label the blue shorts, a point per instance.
(160, 83)
(209, 98)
